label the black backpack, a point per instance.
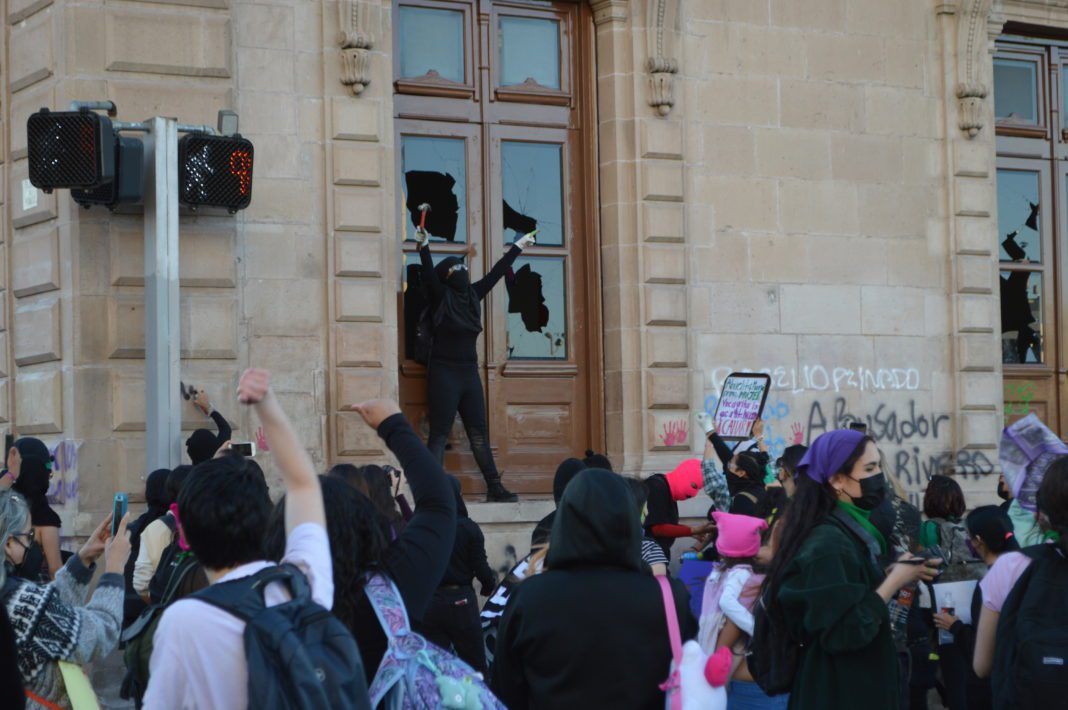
(772, 663)
(182, 576)
(299, 654)
(1031, 652)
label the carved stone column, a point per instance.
(662, 39)
(979, 23)
(356, 39)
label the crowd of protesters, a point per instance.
(819, 587)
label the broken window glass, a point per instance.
(432, 40)
(537, 309)
(1021, 317)
(1019, 215)
(530, 49)
(435, 173)
(532, 183)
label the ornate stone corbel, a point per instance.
(979, 23)
(662, 31)
(356, 41)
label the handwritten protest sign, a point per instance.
(740, 404)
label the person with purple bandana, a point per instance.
(825, 586)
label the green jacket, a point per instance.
(828, 598)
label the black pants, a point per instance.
(453, 388)
(452, 622)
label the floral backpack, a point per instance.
(414, 673)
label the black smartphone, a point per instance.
(9, 442)
(859, 426)
(118, 512)
(245, 448)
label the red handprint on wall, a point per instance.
(261, 441)
(675, 433)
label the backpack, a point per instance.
(1031, 653)
(772, 664)
(949, 540)
(688, 686)
(299, 655)
(414, 673)
(180, 574)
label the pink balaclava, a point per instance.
(685, 481)
(738, 535)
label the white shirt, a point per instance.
(198, 655)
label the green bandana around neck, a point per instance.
(864, 518)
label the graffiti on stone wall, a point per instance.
(1017, 398)
(63, 487)
(819, 378)
(675, 432)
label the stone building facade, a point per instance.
(803, 187)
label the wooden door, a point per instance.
(523, 119)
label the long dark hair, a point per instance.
(810, 506)
(357, 541)
(1053, 501)
(374, 482)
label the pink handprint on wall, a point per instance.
(261, 441)
(675, 433)
(798, 433)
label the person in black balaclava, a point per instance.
(453, 380)
(202, 444)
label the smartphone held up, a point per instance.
(118, 512)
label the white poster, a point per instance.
(956, 596)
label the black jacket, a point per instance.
(468, 559)
(416, 560)
(591, 631)
(746, 493)
(663, 510)
(451, 343)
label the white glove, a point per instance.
(706, 421)
(525, 241)
(421, 237)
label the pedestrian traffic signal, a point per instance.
(70, 149)
(215, 171)
(128, 184)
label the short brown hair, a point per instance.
(943, 499)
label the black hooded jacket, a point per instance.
(566, 471)
(591, 631)
(455, 334)
(468, 559)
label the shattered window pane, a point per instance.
(1021, 317)
(1019, 215)
(530, 49)
(435, 173)
(532, 177)
(415, 298)
(432, 39)
(537, 309)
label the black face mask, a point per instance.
(459, 281)
(32, 558)
(872, 492)
(1003, 490)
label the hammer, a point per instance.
(423, 209)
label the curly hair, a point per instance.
(357, 541)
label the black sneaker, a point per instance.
(497, 493)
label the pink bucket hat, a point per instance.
(685, 481)
(738, 535)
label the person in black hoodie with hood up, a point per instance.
(567, 470)
(452, 621)
(590, 631)
(454, 384)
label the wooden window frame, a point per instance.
(432, 84)
(532, 92)
(1016, 128)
